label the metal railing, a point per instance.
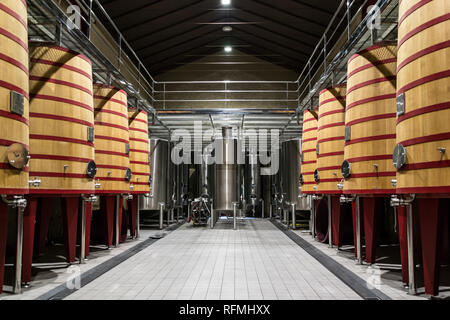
(115, 61)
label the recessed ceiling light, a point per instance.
(228, 49)
(226, 2)
(227, 29)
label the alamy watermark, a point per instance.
(74, 17)
(374, 20)
(261, 144)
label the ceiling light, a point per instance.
(227, 29)
(228, 49)
(226, 2)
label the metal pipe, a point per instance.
(212, 215)
(161, 215)
(294, 222)
(330, 227)
(271, 210)
(263, 215)
(117, 240)
(358, 231)
(19, 203)
(411, 263)
(84, 201)
(234, 215)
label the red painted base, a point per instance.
(321, 220)
(403, 240)
(88, 228)
(3, 237)
(372, 209)
(103, 227)
(29, 222)
(133, 207)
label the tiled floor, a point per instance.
(47, 279)
(255, 262)
(384, 280)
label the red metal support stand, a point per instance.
(371, 213)
(403, 240)
(70, 223)
(431, 239)
(133, 212)
(3, 237)
(355, 237)
(337, 221)
(44, 216)
(29, 222)
(88, 227)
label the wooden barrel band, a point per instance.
(139, 140)
(61, 118)
(14, 62)
(112, 125)
(139, 162)
(12, 116)
(424, 139)
(378, 45)
(424, 80)
(331, 112)
(374, 174)
(60, 158)
(309, 139)
(14, 38)
(371, 138)
(329, 168)
(310, 129)
(424, 110)
(371, 99)
(111, 167)
(340, 99)
(440, 189)
(139, 130)
(12, 87)
(61, 65)
(371, 118)
(112, 153)
(110, 100)
(310, 162)
(422, 53)
(139, 151)
(309, 150)
(422, 27)
(112, 179)
(370, 158)
(7, 143)
(427, 165)
(337, 153)
(74, 53)
(101, 85)
(62, 139)
(370, 82)
(408, 12)
(335, 86)
(58, 175)
(340, 138)
(331, 125)
(61, 82)
(63, 100)
(7, 166)
(14, 14)
(98, 110)
(370, 65)
(110, 138)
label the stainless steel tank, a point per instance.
(252, 181)
(227, 173)
(158, 157)
(290, 174)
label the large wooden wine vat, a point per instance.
(61, 121)
(309, 156)
(330, 139)
(423, 94)
(370, 121)
(112, 140)
(139, 150)
(14, 97)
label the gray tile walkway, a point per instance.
(256, 262)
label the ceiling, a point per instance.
(168, 33)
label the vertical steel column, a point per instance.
(161, 215)
(212, 215)
(271, 210)
(330, 221)
(411, 263)
(234, 215)
(117, 239)
(358, 231)
(262, 209)
(17, 288)
(83, 231)
(294, 221)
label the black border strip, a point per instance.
(61, 291)
(352, 280)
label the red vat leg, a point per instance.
(3, 237)
(29, 222)
(133, 209)
(88, 227)
(431, 239)
(371, 227)
(403, 240)
(43, 221)
(108, 210)
(70, 222)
